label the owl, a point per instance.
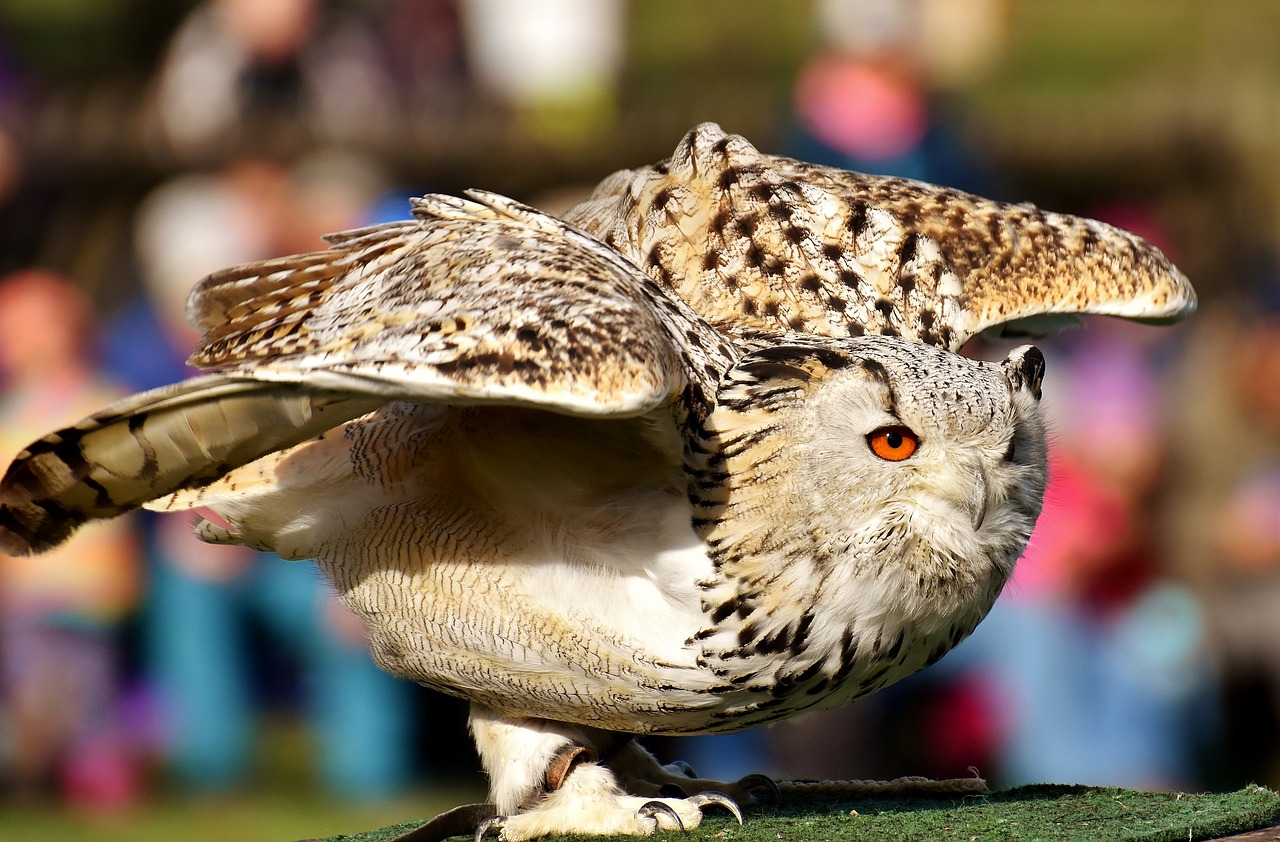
(698, 456)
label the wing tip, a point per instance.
(1119, 274)
(1163, 294)
(32, 528)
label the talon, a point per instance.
(713, 797)
(652, 809)
(494, 823)
(672, 791)
(682, 767)
(758, 781)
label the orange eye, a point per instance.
(893, 444)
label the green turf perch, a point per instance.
(1037, 812)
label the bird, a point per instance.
(699, 455)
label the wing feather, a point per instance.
(154, 443)
(757, 242)
(479, 300)
(484, 300)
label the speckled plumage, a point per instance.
(627, 478)
(757, 242)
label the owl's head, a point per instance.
(892, 464)
(942, 458)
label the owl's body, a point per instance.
(567, 519)
(597, 502)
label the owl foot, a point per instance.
(550, 778)
(589, 802)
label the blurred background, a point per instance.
(152, 687)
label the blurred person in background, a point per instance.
(554, 63)
(294, 73)
(61, 613)
(867, 99)
(1094, 667)
(424, 48)
(1223, 526)
(22, 200)
(224, 626)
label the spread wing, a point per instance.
(483, 301)
(758, 242)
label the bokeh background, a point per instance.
(155, 688)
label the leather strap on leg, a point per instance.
(563, 763)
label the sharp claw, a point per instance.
(713, 797)
(653, 808)
(683, 768)
(672, 791)
(754, 782)
(493, 823)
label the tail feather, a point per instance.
(153, 444)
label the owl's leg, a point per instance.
(552, 778)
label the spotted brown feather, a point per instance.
(757, 242)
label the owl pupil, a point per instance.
(894, 440)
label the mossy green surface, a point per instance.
(1039, 812)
